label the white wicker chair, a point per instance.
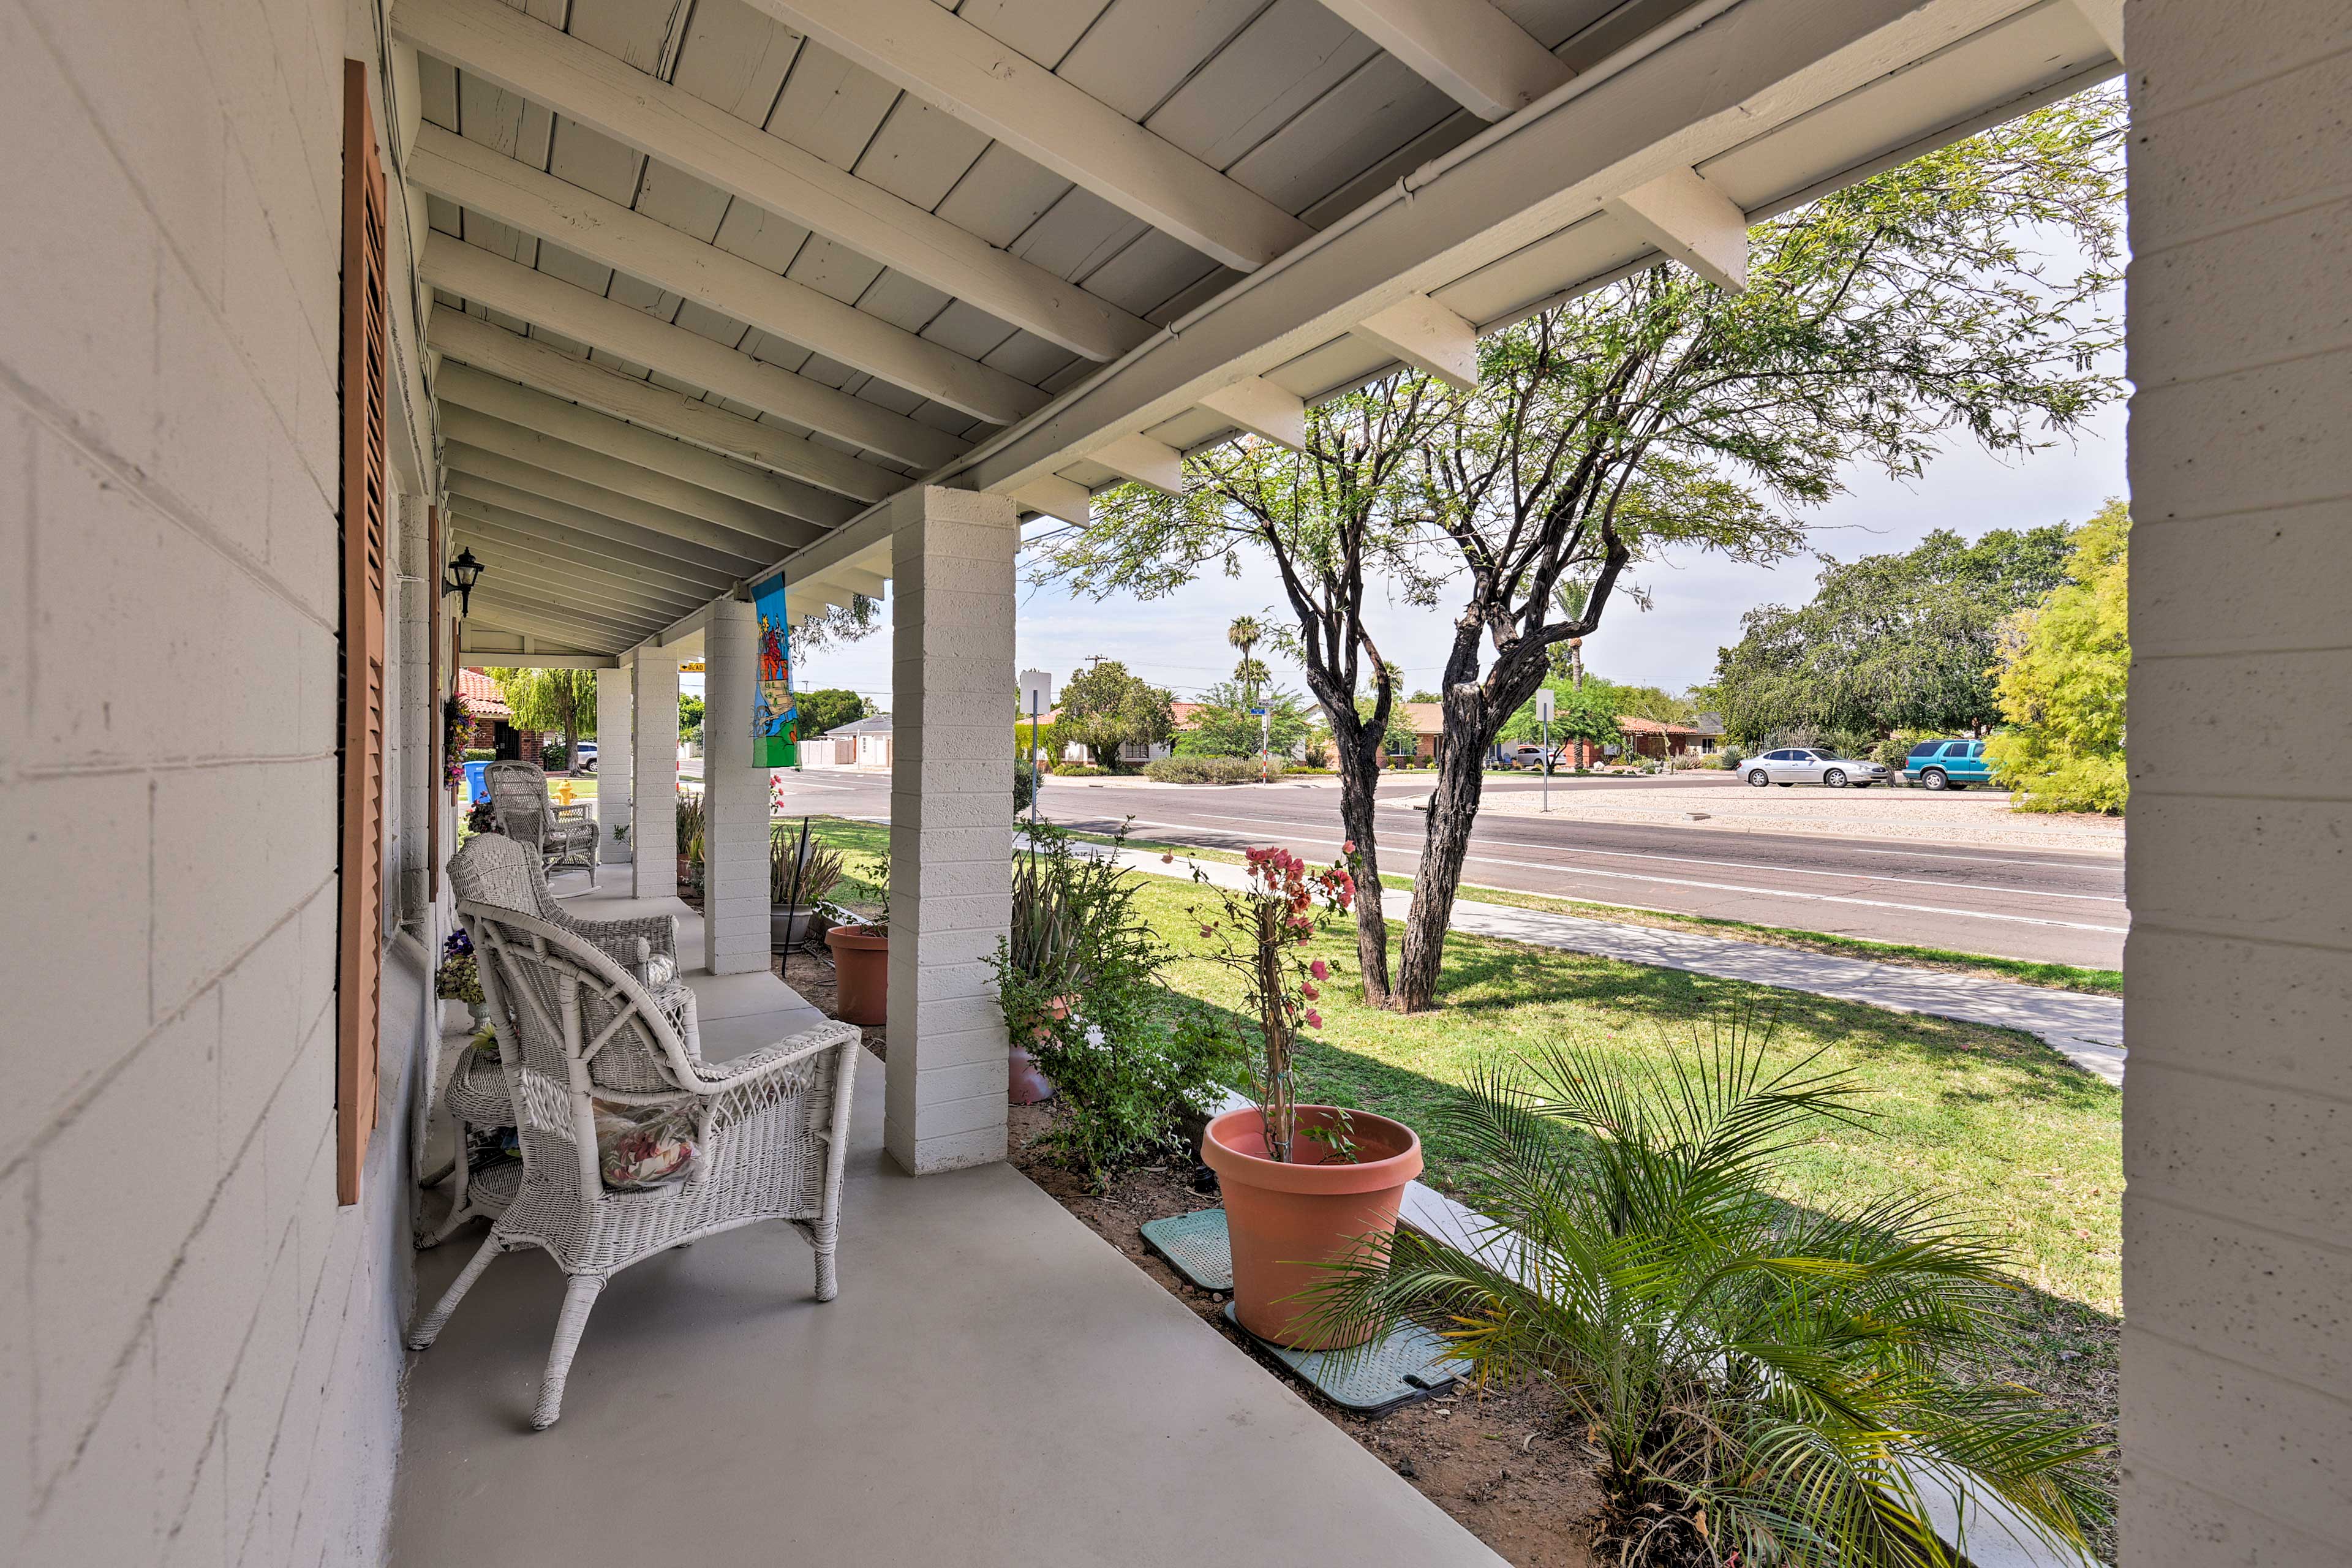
(772, 1128)
(495, 870)
(563, 835)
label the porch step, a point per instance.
(1400, 1367)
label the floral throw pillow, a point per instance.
(637, 1148)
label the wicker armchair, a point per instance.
(494, 871)
(575, 1029)
(563, 835)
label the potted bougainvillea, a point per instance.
(1305, 1186)
(459, 978)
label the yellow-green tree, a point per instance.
(2061, 686)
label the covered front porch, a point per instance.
(1050, 1402)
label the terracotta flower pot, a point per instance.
(1286, 1219)
(1026, 1083)
(861, 963)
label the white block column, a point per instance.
(950, 824)
(616, 751)
(2237, 1116)
(735, 868)
(653, 774)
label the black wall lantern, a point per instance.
(464, 573)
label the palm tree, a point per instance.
(1246, 634)
(1764, 1384)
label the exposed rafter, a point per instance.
(947, 61)
(477, 649)
(619, 475)
(1426, 335)
(485, 181)
(518, 576)
(550, 369)
(503, 46)
(465, 458)
(1473, 53)
(527, 615)
(1057, 497)
(463, 386)
(498, 556)
(2106, 19)
(632, 334)
(508, 526)
(1693, 222)
(1261, 409)
(1144, 461)
(734, 560)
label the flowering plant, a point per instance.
(1264, 921)
(459, 975)
(482, 816)
(457, 726)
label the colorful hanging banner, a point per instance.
(774, 716)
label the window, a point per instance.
(1975, 749)
(359, 969)
(1927, 748)
(1780, 756)
(1957, 748)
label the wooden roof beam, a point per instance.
(617, 474)
(462, 457)
(1468, 49)
(1143, 460)
(602, 582)
(1053, 496)
(508, 526)
(485, 180)
(735, 558)
(1693, 222)
(536, 364)
(947, 62)
(502, 46)
(632, 335)
(1426, 335)
(1261, 409)
(463, 386)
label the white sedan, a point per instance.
(1796, 766)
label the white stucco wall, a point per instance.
(198, 1348)
(2237, 1372)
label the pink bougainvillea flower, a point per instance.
(1320, 970)
(1314, 1019)
(1306, 989)
(1348, 848)
(1168, 859)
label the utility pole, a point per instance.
(1544, 701)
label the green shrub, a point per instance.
(480, 754)
(1762, 1383)
(553, 759)
(1204, 770)
(1078, 770)
(1079, 978)
(1024, 784)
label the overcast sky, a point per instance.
(1697, 599)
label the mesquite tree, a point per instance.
(1326, 516)
(1664, 411)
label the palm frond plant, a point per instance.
(1760, 1385)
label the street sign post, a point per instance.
(1264, 742)
(1544, 704)
(1036, 695)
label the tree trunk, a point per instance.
(1360, 778)
(1452, 811)
(571, 739)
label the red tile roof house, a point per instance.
(492, 716)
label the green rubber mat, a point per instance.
(1406, 1365)
(1195, 1245)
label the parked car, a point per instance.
(1947, 765)
(1797, 765)
(586, 762)
(1528, 756)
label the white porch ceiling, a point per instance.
(712, 276)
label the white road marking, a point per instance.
(1476, 854)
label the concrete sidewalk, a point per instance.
(2087, 1030)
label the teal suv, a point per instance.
(1947, 765)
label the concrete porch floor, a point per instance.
(994, 1385)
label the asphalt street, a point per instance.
(2046, 905)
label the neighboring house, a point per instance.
(1710, 734)
(1135, 753)
(494, 729)
(1653, 738)
(864, 743)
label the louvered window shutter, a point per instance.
(360, 942)
(434, 767)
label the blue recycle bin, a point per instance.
(478, 789)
